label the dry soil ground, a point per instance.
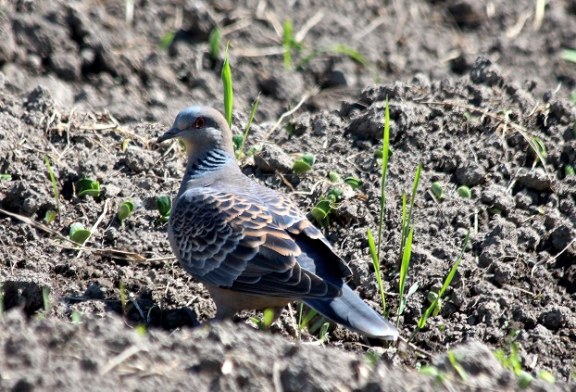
(474, 90)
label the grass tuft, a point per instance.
(227, 84)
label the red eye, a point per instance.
(199, 123)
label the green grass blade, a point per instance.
(255, 105)
(214, 41)
(404, 267)
(569, 55)
(447, 281)
(54, 183)
(228, 90)
(288, 43)
(385, 151)
(376, 263)
(349, 52)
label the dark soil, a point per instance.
(474, 91)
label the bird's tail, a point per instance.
(352, 312)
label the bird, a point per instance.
(250, 245)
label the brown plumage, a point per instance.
(248, 244)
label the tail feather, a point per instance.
(352, 312)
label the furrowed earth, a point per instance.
(479, 96)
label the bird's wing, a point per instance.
(229, 241)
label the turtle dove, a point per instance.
(248, 244)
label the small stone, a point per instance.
(273, 159)
(470, 175)
(536, 180)
(555, 317)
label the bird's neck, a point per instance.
(208, 163)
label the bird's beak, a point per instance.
(169, 134)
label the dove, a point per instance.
(250, 245)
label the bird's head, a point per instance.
(202, 129)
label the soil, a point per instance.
(479, 95)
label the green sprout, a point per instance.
(214, 41)
(304, 163)
(50, 216)
(322, 209)
(433, 306)
(228, 90)
(377, 270)
(354, 182)
(464, 192)
(167, 40)
(569, 55)
(375, 248)
(266, 321)
(164, 205)
(87, 187)
(288, 42)
(5, 177)
(78, 233)
(568, 170)
(437, 191)
(348, 52)
(55, 191)
(125, 210)
(239, 142)
(333, 176)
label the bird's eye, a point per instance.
(199, 123)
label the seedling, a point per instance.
(404, 267)
(540, 149)
(87, 187)
(377, 271)
(406, 243)
(456, 365)
(125, 210)
(354, 182)
(304, 164)
(333, 176)
(432, 371)
(464, 192)
(433, 306)
(569, 55)
(54, 183)
(5, 177)
(375, 248)
(322, 209)
(569, 170)
(167, 40)
(50, 216)
(240, 142)
(125, 144)
(76, 317)
(214, 41)
(266, 321)
(437, 191)
(289, 43)
(164, 205)
(46, 300)
(78, 233)
(228, 90)
(348, 52)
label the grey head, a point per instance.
(203, 129)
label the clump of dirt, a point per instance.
(85, 93)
